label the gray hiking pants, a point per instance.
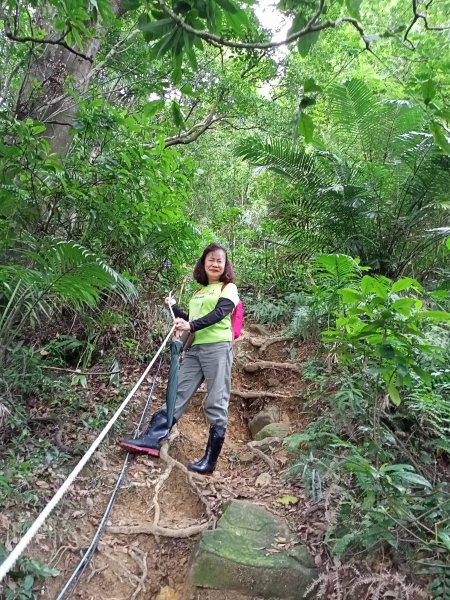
(213, 363)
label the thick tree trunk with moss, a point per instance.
(50, 88)
(56, 76)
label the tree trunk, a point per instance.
(44, 95)
(56, 76)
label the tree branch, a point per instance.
(311, 27)
(194, 132)
(59, 42)
(417, 16)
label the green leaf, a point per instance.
(306, 127)
(341, 544)
(42, 570)
(165, 43)
(440, 137)
(445, 539)
(192, 58)
(426, 377)
(436, 315)
(370, 285)
(228, 6)
(27, 584)
(349, 296)
(177, 71)
(307, 101)
(415, 478)
(288, 500)
(447, 243)
(238, 21)
(444, 113)
(387, 351)
(353, 7)
(405, 306)
(393, 394)
(158, 28)
(38, 129)
(306, 42)
(311, 86)
(177, 115)
(440, 294)
(153, 107)
(428, 89)
(126, 5)
(79, 380)
(406, 283)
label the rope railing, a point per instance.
(12, 558)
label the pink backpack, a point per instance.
(237, 318)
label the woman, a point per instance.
(210, 357)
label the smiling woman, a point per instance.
(209, 357)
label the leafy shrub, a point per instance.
(24, 576)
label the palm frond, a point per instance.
(339, 268)
(47, 276)
(286, 158)
(355, 114)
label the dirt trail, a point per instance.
(137, 566)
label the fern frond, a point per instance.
(286, 158)
(56, 272)
(355, 114)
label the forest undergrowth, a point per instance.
(370, 461)
(133, 134)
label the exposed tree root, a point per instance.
(253, 395)
(149, 528)
(154, 528)
(255, 445)
(258, 329)
(193, 478)
(95, 571)
(140, 558)
(264, 343)
(268, 364)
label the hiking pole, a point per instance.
(186, 278)
(170, 296)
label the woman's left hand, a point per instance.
(182, 325)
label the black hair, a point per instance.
(199, 271)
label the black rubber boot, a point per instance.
(207, 464)
(150, 441)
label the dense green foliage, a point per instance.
(133, 133)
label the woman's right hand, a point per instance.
(170, 301)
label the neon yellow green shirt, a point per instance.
(203, 302)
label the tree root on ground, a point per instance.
(264, 343)
(194, 479)
(268, 364)
(140, 557)
(74, 546)
(258, 329)
(149, 528)
(256, 444)
(154, 528)
(254, 395)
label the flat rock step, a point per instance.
(252, 552)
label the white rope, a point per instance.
(26, 539)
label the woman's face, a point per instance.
(215, 265)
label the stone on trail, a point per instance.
(252, 552)
(167, 593)
(263, 480)
(273, 382)
(270, 414)
(279, 430)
